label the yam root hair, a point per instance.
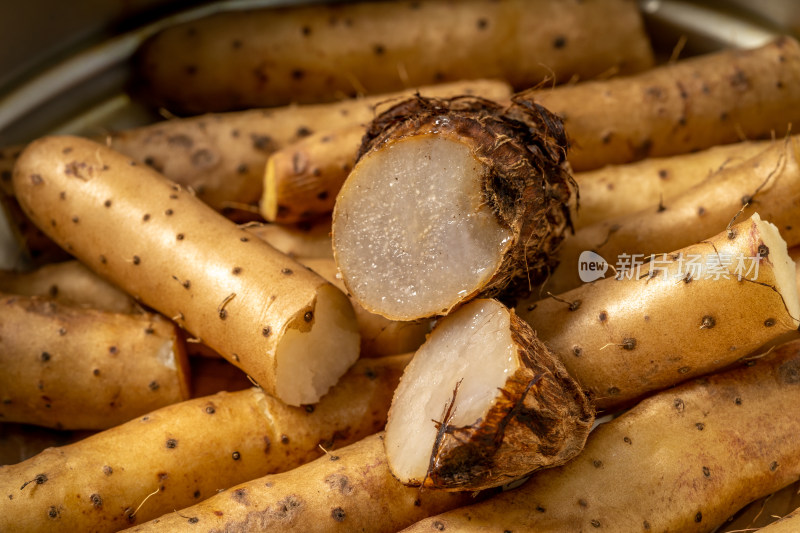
(508, 169)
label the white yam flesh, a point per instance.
(413, 236)
(472, 349)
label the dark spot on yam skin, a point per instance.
(540, 509)
(679, 405)
(107, 470)
(789, 372)
(191, 70)
(180, 140)
(6, 175)
(136, 260)
(763, 250)
(96, 371)
(340, 483)
(739, 81)
(154, 386)
(597, 463)
(97, 501)
(223, 314)
(169, 212)
(112, 350)
(577, 351)
(306, 31)
(196, 494)
(595, 523)
(627, 440)
(202, 158)
(769, 322)
(36, 179)
(378, 50)
(171, 443)
(606, 138)
(284, 439)
(236, 271)
(701, 211)
(773, 466)
(303, 131)
(438, 526)
(337, 513)
(482, 23)
(236, 456)
(663, 174)
(149, 331)
(266, 332)
(603, 316)
(700, 426)
(323, 195)
(146, 217)
(267, 444)
(242, 169)
(53, 513)
(628, 343)
(559, 42)
(698, 517)
(308, 316)
(684, 370)
(75, 220)
(236, 44)
(45, 357)
(613, 391)
(708, 322)
(298, 74)
(287, 271)
(193, 520)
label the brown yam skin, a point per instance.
(769, 182)
(616, 190)
(683, 460)
(350, 489)
(169, 250)
(70, 283)
(71, 368)
(541, 419)
(680, 107)
(623, 338)
(527, 181)
(189, 451)
(301, 241)
(237, 60)
(309, 173)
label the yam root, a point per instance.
(238, 60)
(768, 183)
(683, 460)
(680, 107)
(341, 490)
(186, 452)
(617, 190)
(450, 199)
(73, 368)
(483, 403)
(723, 298)
(294, 333)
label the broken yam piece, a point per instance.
(482, 403)
(450, 199)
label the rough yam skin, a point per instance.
(190, 450)
(680, 107)
(683, 460)
(67, 367)
(350, 489)
(239, 60)
(621, 339)
(527, 182)
(541, 418)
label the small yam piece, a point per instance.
(683, 314)
(76, 368)
(294, 333)
(450, 199)
(482, 403)
(308, 174)
(683, 460)
(238, 59)
(187, 452)
(349, 489)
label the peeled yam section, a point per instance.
(450, 199)
(483, 402)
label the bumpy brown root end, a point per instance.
(450, 199)
(504, 408)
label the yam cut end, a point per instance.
(416, 237)
(775, 251)
(483, 403)
(317, 348)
